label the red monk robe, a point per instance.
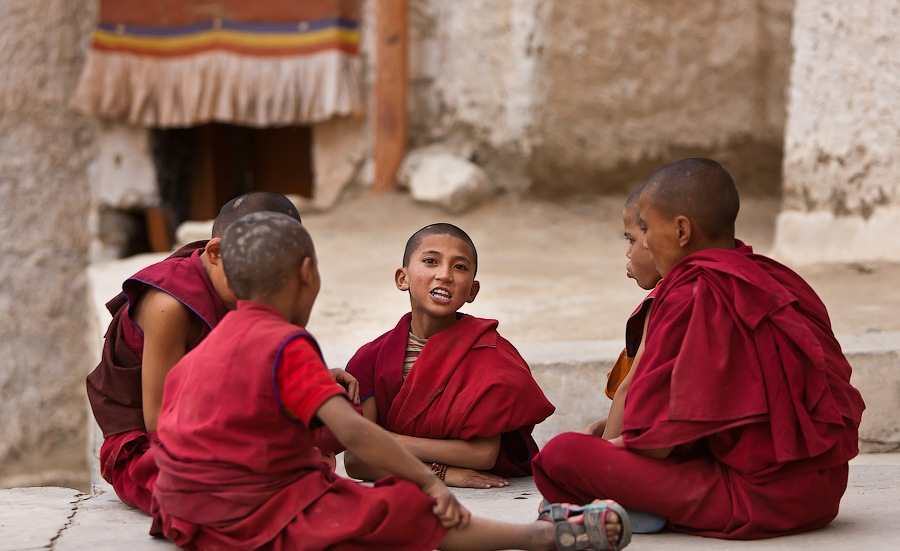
(743, 376)
(114, 387)
(237, 473)
(634, 331)
(467, 382)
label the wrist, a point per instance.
(439, 469)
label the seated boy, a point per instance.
(238, 469)
(740, 418)
(641, 268)
(162, 312)
(447, 385)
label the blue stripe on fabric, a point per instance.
(251, 27)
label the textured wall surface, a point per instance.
(842, 139)
(44, 202)
(591, 95)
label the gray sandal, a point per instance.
(590, 533)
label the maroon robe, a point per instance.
(742, 375)
(237, 473)
(467, 382)
(114, 386)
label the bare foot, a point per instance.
(459, 477)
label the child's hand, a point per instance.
(459, 477)
(347, 381)
(447, 509)
(596, 428)
(331, 459)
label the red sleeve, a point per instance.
(303, 381)
(362, 366)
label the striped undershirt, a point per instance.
(414, 346)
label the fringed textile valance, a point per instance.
(175, 63)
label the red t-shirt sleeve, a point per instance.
(303, 382)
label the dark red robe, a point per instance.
(467, 382)
(236, 472)
(114, 386)
(742, 374)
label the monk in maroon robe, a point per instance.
(740, 419)
(238, 469)
(163, 311)
(454, 391)
(467, 382)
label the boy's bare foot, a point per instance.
(459, 477)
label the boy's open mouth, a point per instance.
(441, 295)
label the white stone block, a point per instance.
(448, 180)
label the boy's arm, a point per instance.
(616, 417)
(373, 445)
(356, 467)
(478, 453)
(166, 325)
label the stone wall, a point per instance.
(587, 95)
(842, 145)
(45, 152)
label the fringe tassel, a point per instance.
(219, 86)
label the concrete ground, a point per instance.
(66, 520)
(553, 274)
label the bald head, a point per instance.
(631, 203)
(700, 189)
(255, 201)
(441, 228)
(261, 252)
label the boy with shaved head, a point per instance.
(162, 312)
(238, 469)
(740, 418)
(446, 384)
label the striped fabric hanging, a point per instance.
(176, 63)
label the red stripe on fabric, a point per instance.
(165, 13)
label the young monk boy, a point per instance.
(447, 385)
(162, 312)
(740, 419)
(238, 469)
(641, 268)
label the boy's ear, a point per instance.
(473, 291)
(213, 250)
(307, 271)
(401, 280)
(684, 230)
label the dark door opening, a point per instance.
(199, 169)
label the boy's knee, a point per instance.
(561, 451)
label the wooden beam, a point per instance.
(391, 42)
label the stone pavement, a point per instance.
(62, 519)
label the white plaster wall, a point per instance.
(473, 82)
(629, 86)
(126, 177)
(842, 138)
(45, 151)
(592, 95)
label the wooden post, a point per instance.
(391, 39)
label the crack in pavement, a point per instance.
(76, 506)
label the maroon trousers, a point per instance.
(698, 496)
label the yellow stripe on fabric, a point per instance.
(225, 37)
